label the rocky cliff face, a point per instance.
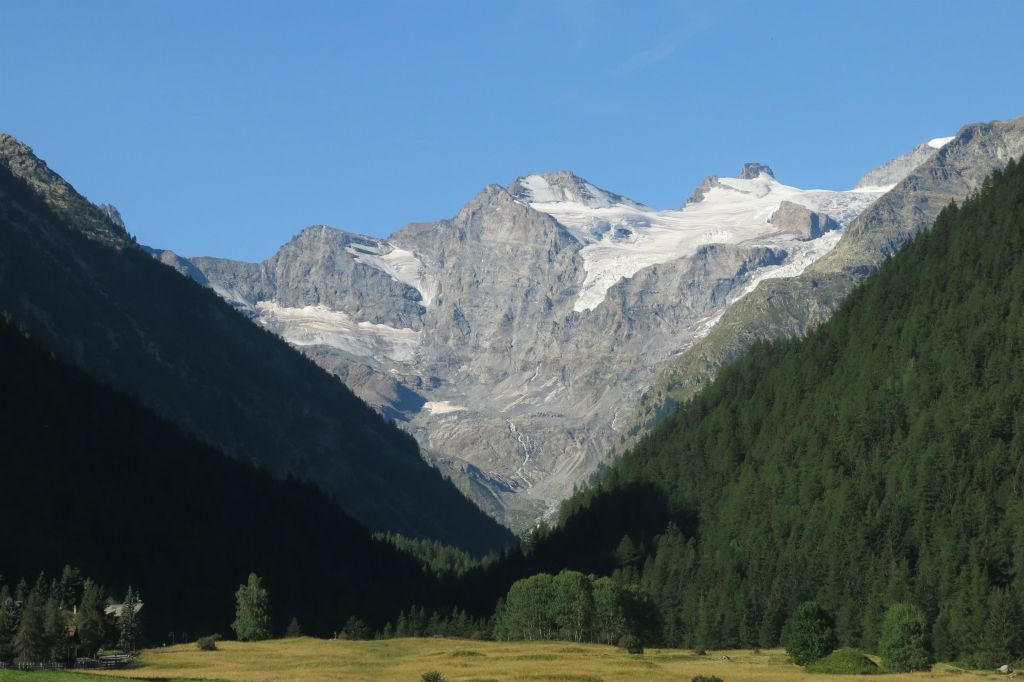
(516, 339)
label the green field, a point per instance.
(405, 660)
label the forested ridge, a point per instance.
(878, 460)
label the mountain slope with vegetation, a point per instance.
(91, 478)
(788, 307)
(876, 461)
(77, 282)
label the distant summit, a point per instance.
(564, 187)
(750, 171)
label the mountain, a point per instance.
(515, 339)
(875, 460)
(948, 169)
(75, 280)
(91, 478)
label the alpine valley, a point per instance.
(550, 321)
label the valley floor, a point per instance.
(315, 660)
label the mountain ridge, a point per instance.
(513, 338)
(79, 285)
(955, 167)
(874, 461)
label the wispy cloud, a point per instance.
(696, 22)
(644, 58)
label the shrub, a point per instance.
(706, 678)
(631, 643)
(208, 643)
(809, 634)
(432, 676)
(903, 645)
(844, 661)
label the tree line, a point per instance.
(874, 462)
(54, 621)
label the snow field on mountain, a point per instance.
(622, 239)
(319, 325)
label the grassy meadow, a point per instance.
(405, 660)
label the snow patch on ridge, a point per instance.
(442, 407)
(403, 266)
(321, 326)
(623, 238)
(940, 142)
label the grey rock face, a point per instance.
(112, 214)
(509, 389)
(751, 170)
(320, 267)
(802, 221)
(173, 260)
(470, 332)
(891, 172)
(702, 189)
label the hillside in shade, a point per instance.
(91, 478)
(76, 281)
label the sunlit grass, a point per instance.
(315, 660)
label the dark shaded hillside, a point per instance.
(877, 460)
(91, 478)
(81, 287)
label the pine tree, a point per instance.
(30, 642)
(54, 630)
(1003, 638)
(8, 625)
(92, 626)
(401, 627)
(70, 588)
(127, 622)
(252, 611)
(293, 629)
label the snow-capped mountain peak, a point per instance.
(622, 237)
(753, 170)
(564, 187)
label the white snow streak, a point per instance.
(442, 407)
(321, 326)
(403, 266)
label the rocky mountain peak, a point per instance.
(563, 186)
(891, 172)
(112, 214)
(700, 190)
(19, 159)
(750, 171)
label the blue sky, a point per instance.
(223, 128)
